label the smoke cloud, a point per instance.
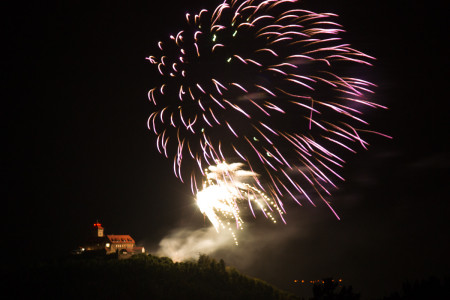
(183, 244)
(258, 239)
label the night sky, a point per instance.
(77, 149)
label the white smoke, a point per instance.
(183, 244)
(256, 240)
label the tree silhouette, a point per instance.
(139, 277)
(431, 288)
(327, 290)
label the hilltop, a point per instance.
(140, 277)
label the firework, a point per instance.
(265, 84)
(226, 186)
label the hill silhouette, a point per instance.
(100, 276)
(139, 277)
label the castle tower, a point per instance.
(98, 229)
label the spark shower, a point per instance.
(255, 104)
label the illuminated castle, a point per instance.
(111, 243)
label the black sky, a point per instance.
(74, 110)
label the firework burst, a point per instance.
(264, 84)
(225, 188)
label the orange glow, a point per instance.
(318, 281)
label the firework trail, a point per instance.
(226, 186)
(264, 84)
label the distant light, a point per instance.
(228, 60)
(214, 38)
(108, 244)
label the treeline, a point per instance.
(139, 277)
(427, 289)
(101, 276)
(431, 288)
